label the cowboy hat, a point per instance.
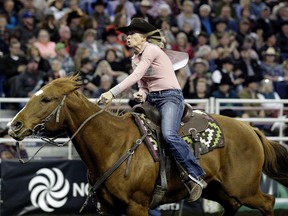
(138, 24)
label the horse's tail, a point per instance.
(276, 159)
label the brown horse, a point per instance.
(233, 172)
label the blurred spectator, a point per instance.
(274, 71)
(250, 92)
(56, 70)
(96, 50)
(12, 65)
(50, 24)
(26, 30)
(45, 46)
(30, 8)
(182, 75)
(129, 7)
(225, 14)
(256, 8)
(165, 13)
(87, 76)
(248, 65)
(226, 72)
(182, 44)
(269, 41)
(105, 85)
(266, 23)
(202, 39)
(239, 6)
(155, 9)
(165, 27)
(100, 15)
(111, 58)
(74, 6)
(65, 37)
(227, 47)
(189, 17)
(266, 91)
(74, 19)
(26, 82)
(248, 44)
(258, 36)
(219, 5)
(244, 29)
(82, 52)
(200, 69)
(201, 91)
(4, 36)
(85, 5)
(220, 29)
(57, 8)
(206, 19)
(43, 64)
(282, 40)
(224, 90)
(209, 54)
(8, 149)
(142, 12)
(110, 42)
(10, 12)
(89, 22)
(67, 63)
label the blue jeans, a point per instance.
(170, 104)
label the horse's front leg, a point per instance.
(137, 209)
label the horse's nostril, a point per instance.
(17, 125)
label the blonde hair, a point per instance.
(156, 39)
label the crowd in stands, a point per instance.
(236, 48)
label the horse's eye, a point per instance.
(45, 100)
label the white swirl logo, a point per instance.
(49, 189)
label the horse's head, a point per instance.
(43, 109)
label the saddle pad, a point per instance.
(210, 138)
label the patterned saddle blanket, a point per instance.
(208, 133)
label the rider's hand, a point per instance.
(106, 97)
(138, 96)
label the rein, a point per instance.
(51, 140)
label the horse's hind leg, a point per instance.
(262, 202)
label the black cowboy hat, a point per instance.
(138, 24)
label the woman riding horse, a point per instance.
(153, 70)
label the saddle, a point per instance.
(189, 119)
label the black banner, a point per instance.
(58, 186)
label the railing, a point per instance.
(210, 105)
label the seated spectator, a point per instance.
(8, 149)
(105, 85)
(220, 29)
(282, 40)
(206, 19)
(244, 28)
(26, 82)
(165, 13)
(110, 42)
(183, 45)
(4, 36)
(74, 19)
(57, 8)
(96, 50)
(165, 27)
(226, 15)
(30, 8)
(57, 71)
(43, 64)
(225, 72)
(26, 30)
(250, 92)
(50, 24)
(249, 45)
(270, 40)
(12, 65)
(227, 47)
(102, 18)
(89, 83)
(266, 22)
(10, 11)
(188, 16)
(266, 91)
(111, 58)
(224, 90)
(81, 53)
(65, 37)
(63, 56)
(45, 46)
(209, 54)
(274, 71)
(142, 12)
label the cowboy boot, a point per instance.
(195, 189)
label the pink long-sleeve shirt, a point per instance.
(152, 70)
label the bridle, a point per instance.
(41, 126)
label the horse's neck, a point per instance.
(94, 142)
